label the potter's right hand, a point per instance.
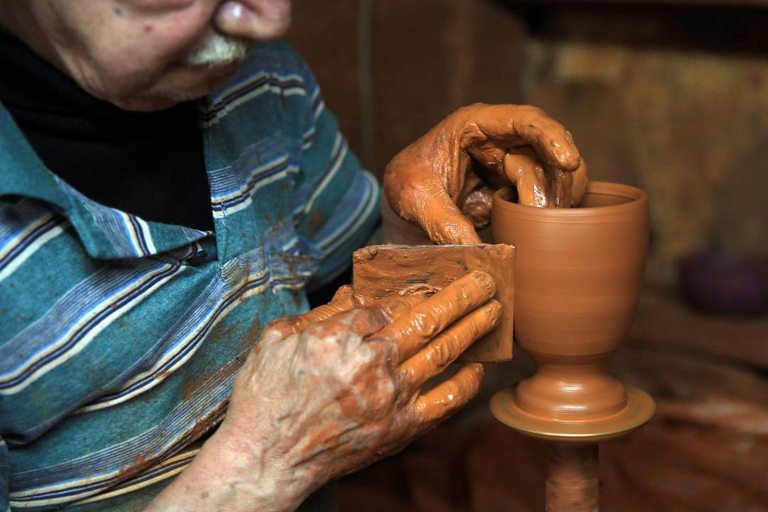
(443, 182)
(323, 395)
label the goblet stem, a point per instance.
(573, 481)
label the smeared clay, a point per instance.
(442, 182)
(390, 270)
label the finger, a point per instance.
(360, 321)
(561, 185)
(516, 125)
(528, 177)
(451, 395)
(450, 344)
(324, 312)
(534, 185)
(444, 223)
(282, 327)
(345, 296)
(376, 316)
(579, 185)
(395, 307)
(343, 300)
(414, 329)
(477, 206)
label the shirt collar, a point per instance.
(106, 233)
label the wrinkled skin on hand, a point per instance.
(443, 182)
(331, 391)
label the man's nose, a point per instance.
(258, 20)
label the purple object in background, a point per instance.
(725, 283)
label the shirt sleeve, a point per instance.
(336, 204)
(5, 476)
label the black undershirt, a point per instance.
(147, 164)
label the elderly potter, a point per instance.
(137, 314)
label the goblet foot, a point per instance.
(638, 410)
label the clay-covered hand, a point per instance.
(324, 395)
(443, 182)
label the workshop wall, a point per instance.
(671, 97)
(422, 60)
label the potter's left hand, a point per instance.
(443, 182)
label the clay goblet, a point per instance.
(578, 278)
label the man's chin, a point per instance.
(147, 104)
(161, 100)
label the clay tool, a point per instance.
(381, 271)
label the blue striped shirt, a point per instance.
(120, 337)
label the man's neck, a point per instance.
(141, 163)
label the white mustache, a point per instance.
(218, 50)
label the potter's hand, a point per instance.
(332, 391)
(338, 394)
(443, 181)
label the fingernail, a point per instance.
(480, 276)
(484, 279)
(494, 310)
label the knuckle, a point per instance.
(475, 329)
(378, 318)
(474, 106)
(533, 111)
(404, 183)
(441, 354)
(463, 297)
(383, 350)
(425, 323)
(313, 331)
(276, 329)
(469, 384)
(380, 390)
(322, 341)
(392, 354)
(388, 393)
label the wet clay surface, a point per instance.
(577, 286)
(442, 182)
(573, 481)
(391, 271)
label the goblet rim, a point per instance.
(638, 198)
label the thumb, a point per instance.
(445, 224)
